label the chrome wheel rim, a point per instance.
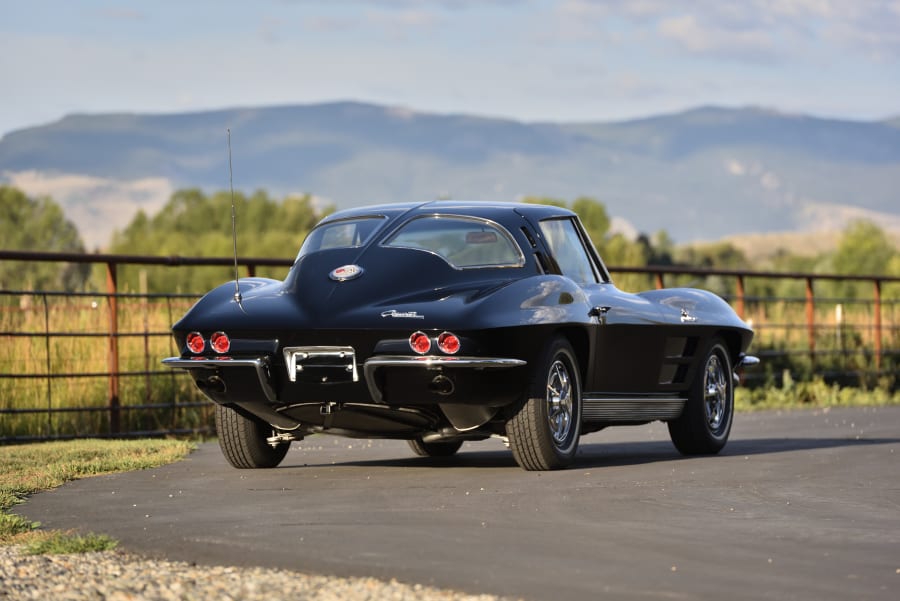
(560, 402)
(715, 394)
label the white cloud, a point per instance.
(122, 14)
(754, 30)
(770, 181)
(703, 38)
(735, 167)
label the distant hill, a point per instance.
(701, 174)
(762, 247)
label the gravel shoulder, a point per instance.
(120, 576)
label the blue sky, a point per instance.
(572, 60)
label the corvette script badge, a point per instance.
(407, 314)
(346, 272)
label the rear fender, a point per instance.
(539, 300)
(692, 306)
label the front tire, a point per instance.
(243, 440)
(705, 423)
(544, 432)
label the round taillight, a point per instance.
(195, 342)
(220, 342)
(420, 342)
(448, 343)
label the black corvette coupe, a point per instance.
(447, 321)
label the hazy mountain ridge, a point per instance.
(696, 130)
(701, 174)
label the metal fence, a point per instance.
(865, 328)
(87, 364)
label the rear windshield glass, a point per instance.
(347, 233)
(464, 242)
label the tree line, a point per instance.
(194, 223)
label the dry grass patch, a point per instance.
(32, 468)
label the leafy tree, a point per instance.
(594, 216)
(592, 213)
(718, 255)
(38, 224)
(198, 225)
(660, 249)
(864, 249)
(893, 290)
(782, 262)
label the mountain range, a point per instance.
(702, 174)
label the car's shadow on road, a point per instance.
(621, 453)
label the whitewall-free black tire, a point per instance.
(705, 423)
(543, 434)
(243, 440)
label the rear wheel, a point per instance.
(243, 440)
(705, 423)
(544, 432)
(434, 449)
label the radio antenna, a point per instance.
(237, 287)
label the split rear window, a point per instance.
(346, 233)
(463, 242)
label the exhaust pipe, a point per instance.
(442, 385)
(213, 385)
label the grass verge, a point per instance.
(814, 394)
(32, 468)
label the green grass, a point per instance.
(814, 394)
(58, 543)
(36, 467)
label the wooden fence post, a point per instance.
(739, 300)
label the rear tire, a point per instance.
(434, 449)
(705, 423)
(544, 432)
(243, 440)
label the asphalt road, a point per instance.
(800, 505)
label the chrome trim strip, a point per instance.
(260, 364)
(431, 362)
(623, 408)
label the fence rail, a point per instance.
(38, 365)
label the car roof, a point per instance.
(497, 211)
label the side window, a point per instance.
(569, 251)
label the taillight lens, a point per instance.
(420, 342)
(195, 343)
(220, 342)
(448, 343)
